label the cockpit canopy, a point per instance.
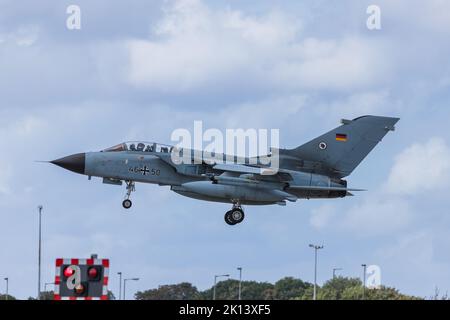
(140, 146)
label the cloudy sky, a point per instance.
(138, 70)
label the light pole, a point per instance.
(46, 284)
(215, 282)
(7, 285)
(334, 271)
(120, 285)
(240, 282)
(39, 254)
(125, 285)
(364, 280)
(316, 247)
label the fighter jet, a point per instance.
(314, 170)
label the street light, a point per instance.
(364, 280)
(316, 247)
(125, 285)
(334, 271)
(7, 285)
(120, 285)
(240, 282)
(39, 254)
(46, 284)
(215, 282)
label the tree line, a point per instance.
(288, 288)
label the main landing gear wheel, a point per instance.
(228, 218)
(234, 216)
(127, 203)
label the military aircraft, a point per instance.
(314, 170)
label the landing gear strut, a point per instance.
(130, 188)
(235, 215)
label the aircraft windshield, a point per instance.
(139, 146)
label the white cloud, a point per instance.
(24, 36)
(264, 113)
(5, 177)
(361, 103)
(420, 167)
(418, 17)
(414, 260)
(321, 216)
(194, 45)
(15, 135)
(377, 214)
(347, 63)
(414, 249)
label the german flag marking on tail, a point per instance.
(341, 137)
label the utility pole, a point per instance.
(120, 285)
(46, 284)
(240, 282)
(39, 254)
(315, 247)
(364, 280)
(125, 285)
(334, 271)
(7, 289)
(215, 282)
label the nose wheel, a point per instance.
(234, 216)
(130, 188)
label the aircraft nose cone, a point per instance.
(75, 162)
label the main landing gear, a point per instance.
(130, 188)
(235, 215)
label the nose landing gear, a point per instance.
(235, 215)
(130, 188)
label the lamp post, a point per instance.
(240, 282)
(125, 285)
(215, 282)
(364, 280)
(46, 284)
(334, 271)
(39, 253)
(7, 285)
(316, 247)
(120, 285)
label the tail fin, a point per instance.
(342, 149)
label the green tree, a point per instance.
(338, 288)
(47, 295)
(387, 293)
(334, 288)
(252, 290)
(289, 288)
(111, 295)
(342, 288)
(181, 291)
(5, 297)
(228, 290)
(308, 293)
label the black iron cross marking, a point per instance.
(144, 170)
